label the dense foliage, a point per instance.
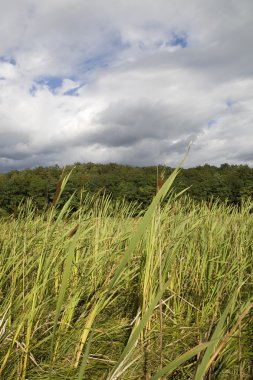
(226, 182)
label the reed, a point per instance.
(108, 293)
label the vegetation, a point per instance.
(101, 290)
(231, 183)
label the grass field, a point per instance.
(105, 293)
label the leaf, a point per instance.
(180, 360)
(203, 366)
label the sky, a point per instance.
(133, 82)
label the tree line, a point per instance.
(229, 183)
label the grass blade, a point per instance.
(180, 360)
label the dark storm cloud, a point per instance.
(123, 124)
(11, 138)
(243, 156)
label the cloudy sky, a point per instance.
(125, 81)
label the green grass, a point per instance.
(104, 294)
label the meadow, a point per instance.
(110, 292)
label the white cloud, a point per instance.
(111, 81)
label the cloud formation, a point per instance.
(131, 82)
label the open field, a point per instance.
(104, 294)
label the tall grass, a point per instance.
(105, 293)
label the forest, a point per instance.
(227, 183)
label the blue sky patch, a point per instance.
(10, 60)
(72, 92)
(99, 60)
(53, 83)
(102, 60)
(33, 89)
(50, 81)
(117, 43)
(211, 123)
(179, 39)
(231, 102)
